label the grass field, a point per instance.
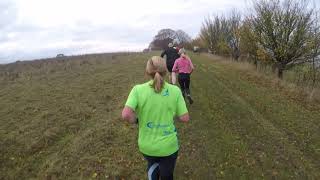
(60, 119)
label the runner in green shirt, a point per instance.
(156, 104)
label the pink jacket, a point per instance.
(183, 65)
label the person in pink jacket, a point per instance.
(184, 67)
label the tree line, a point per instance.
(279, 33)
(165, 36)
(282, 33)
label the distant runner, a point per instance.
(184, 67)
(156, 104)
(171, 55)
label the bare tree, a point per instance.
(215, 32)
(182, 37)
(282, 29)
(165, 34)
(233, 39)
(160, 44)
(161, 40)
(315, 47)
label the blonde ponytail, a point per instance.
(156, 69)
(157, 83)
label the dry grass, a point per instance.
(60, 119)
(296, 87)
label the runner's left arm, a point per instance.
(182, 111)
(191, 65)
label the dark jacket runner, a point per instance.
(172, 55)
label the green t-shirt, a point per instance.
(156, 112)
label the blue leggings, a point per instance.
(161, 166)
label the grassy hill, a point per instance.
(60, 119)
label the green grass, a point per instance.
(60, 119)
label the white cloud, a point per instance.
(41, 28)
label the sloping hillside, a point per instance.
(60, 119)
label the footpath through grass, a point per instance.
(65, 124)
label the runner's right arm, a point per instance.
(128, 112)
(163, 53)
(129, 115)
(191, 65)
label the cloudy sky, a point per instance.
(43, 28)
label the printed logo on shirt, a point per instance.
(166, 133)
(166, 93)
(151, 125)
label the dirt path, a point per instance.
(242, 129)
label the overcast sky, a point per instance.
(43, 28)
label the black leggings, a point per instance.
(184, 81)
(169, 67)
(161, 166)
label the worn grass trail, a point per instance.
(66, 124)
(247, 128)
